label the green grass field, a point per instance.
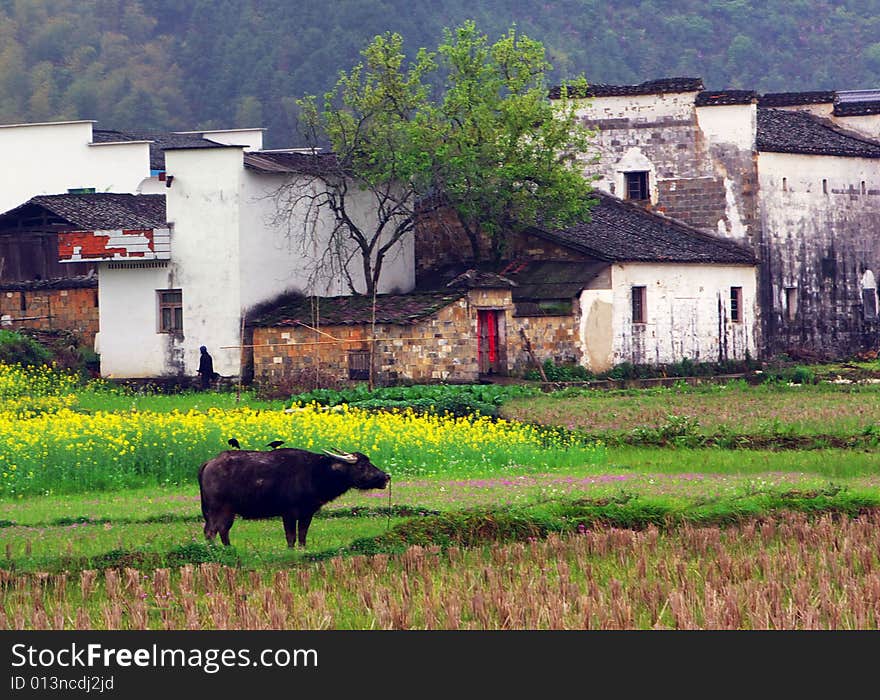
(485, 488)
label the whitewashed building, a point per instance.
(169, 286)
(794, 176)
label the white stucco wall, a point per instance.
(729, 124)
(675, 105)
(128, 341)
(226, 256)
(276, 256)
(866, 124)
(683, 316)
(53, 157)
(204, 206)
(251, 139)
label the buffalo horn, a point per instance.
(350, 458)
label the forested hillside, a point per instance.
(219, 63)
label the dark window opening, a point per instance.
(636, 185)
(170, 311)
(869, 302)
(639, 297)
(791, 303)
(359, 364)
(22, 302)
(736, 294)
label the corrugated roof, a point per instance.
(650, 87)
(102, 211)
(281, 162)
(624, 232)
(397, 309)
(782, 131)
(159, 142)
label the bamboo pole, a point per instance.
(321, 342)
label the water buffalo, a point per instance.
(288, 482)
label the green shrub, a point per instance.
(568, 372)
(456, 399)
(18, 349)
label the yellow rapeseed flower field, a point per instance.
(64, 450)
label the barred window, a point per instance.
(636, 185)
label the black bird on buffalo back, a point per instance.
(290, 483)
(275, 444)
(233, 443)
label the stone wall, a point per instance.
(551, 337)
(439, 348)
(44, 308)
(701, 170)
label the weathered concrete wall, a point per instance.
(687, 310)
(821, 217)
(700, 160)
(74, 309)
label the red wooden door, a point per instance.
(488, 345)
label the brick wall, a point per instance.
(73, 310)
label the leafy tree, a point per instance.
(506, 156)
(490, 146)
(373, 119)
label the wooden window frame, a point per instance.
(736, 310)
(639, 304)
(636, 183)
(173, 322)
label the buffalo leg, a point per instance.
(304, 522)
(224, 526)
(290, 529)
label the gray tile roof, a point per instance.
(856, 109)
(102, 211)
(791, 99)
(709, 98)
(397, 309)
(283, 162)
(650, 87)
(160, 142)
(782, 131)
(78, 282)
(622, 232)
(551, 279)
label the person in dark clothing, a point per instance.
(206, 368)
